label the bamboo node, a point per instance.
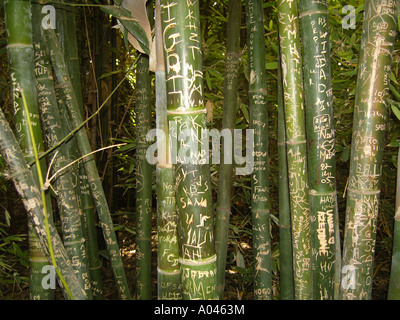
(198, 262)
(397, 215)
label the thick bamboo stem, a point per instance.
(260, 205)
(292, 77)
(187, 113)
(321, 147)
(369, 124)
(21, 59)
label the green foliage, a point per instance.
(11, 257)
(132, 26)
(345, 49)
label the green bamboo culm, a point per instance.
(285, 239)
(67, 33)
(21, 60)
(88, 208)
(168, 268)
(71, 53)
(370, 117)
(314, 18)
(143, 181)
(187, 118)
(31, 196)
(94, 181)
(225, 178)
(394, 282)
(292, 78)
(260, 203)
(169, 285)
(67, 200)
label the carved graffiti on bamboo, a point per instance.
(178, 70)
(364, 182)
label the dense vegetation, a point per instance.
(121, 106)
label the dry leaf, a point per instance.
(138, 11)
(209, 109)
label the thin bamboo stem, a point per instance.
(260, 202)
(144, 174)
(285, 239)
(225, 177)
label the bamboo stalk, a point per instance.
(260, 177)
(28, 190)
(225, 172)
(370, 116)
(285, 239)
(96, 188)
(20, 56)
(72, 54)
(67, 30)
(187, 114)
(144, 175)
(169, 286)
(321, 146)
(63, 186)
(292, 77)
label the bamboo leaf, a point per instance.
(138, 11)
(215, 73)
(208, 80)
(393, 77)
(108, 74)
(395, 93)
(395, 108)
(245, 111)
(130, 17)
(7, 216)
(239, 259)
(345, 155)
(271, 65)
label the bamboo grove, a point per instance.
(263, 150)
